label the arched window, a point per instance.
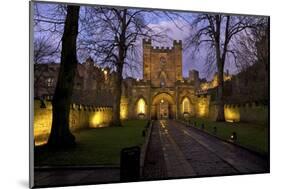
(141, 106)
(162, 61)
(186, 106)
(163, 78)
(162, 83)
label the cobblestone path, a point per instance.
(189, 152)
(154, 165)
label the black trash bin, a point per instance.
(130, 164)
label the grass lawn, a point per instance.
(249, 135)
(99, 146)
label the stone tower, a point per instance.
(162, 65)
(146, 59)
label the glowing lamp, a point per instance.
(233, 137)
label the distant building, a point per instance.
(92, 84)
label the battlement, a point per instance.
(80, 117)
(146, 41)
(176, 44)
(161, 48)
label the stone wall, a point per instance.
(162, 65)
(80, 117)
(202, 106)
(248, 112)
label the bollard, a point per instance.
(143, 133)
(130, 164)
(215, 130)
(148, 124)
(202, 126)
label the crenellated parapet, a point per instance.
(81, 116)
(160, 61)
(177, 44)
(89, 108)
(146, 41)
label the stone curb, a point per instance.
(86, 167)
(144, 148)
(238, 145)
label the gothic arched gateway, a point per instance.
(163, 106)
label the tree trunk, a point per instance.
(117, 99)
(220, 65)
(61, 136)
(220, 116)
(121, 59)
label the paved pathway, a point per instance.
(176, 164)
(174, 151)
(190, 152)
(58, 177)
(154, 164)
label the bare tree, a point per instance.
(251, 46)
(44, 50)
(116, 43)
(216, 31)
(60, 135)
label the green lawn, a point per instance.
(100, 146)
(251, 136)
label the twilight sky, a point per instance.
(176, 29)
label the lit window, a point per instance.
(50, 82)
(186, 106)
(141, 106)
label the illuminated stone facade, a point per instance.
(163, 92)
(80, 117)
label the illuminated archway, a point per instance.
(141, 107)
(163, 106)
(186, 107)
